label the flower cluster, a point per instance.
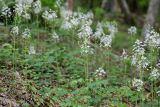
(15, 31)
(26, 34)
(132, 30)
(6, 11)
(75, 19)
(55, 36)
(154, 75)
(22, 7)
(58, 3)
(85, 31)
(152, 39)
(49, 15)
(112, 28)
(100, 72)
(24, 2)
(65, 13)
(138, 48)
(106, 41)
(32, 50)
(19, 9)
(138, 84)
(66, 25)
(99, 31)
(158, 93)
(86, 48)
(158, 63)
(37, 7)
(26, 15)
(138, 58)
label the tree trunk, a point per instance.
(151, 16)
(70, 5)
(103, 3)
(111, 7)
(134, 7)
(108, 5)
(125, 9)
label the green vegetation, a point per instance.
(53, 59)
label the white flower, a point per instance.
(74, 21)
(49, 15)
(66, 25)
(158, 64)
(132, 30)
(55, 36)
(158, 93)
(112, 28)
(138, 84)
(138, 58)
(19, 9)
(85, 31)
(37, 7)
(86, 48)
(144, 62)
(134, 60)
(106, 41)
(32, 50)
(15, 30)
(65, 13)
(100, 72)
(99, 31)
(22, 5)
(154, 75)
(152, 39)
(139, 48)
(86, 22)
(89, 15)
(58, 3)
(141, 62)
(6, 11)
(26, 16)
(26, 34)
(24, 2)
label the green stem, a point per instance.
(86, 73)
(141, 94)
(158, 101)
(137, 100)
(152, 92)
(108, 55)
(72, 38)
(14, 56)
(37, 26)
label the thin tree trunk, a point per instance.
(108, 5)
(151, 15)
(70, 5)
(103, 3)
(125, 9)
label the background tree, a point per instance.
(152, 13)
(125, 9)
(70, 5)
